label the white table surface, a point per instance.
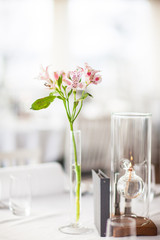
(51, 212)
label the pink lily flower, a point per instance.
(97, 79)
(58, 74)
(90, 75)
(44, 75)
(67, 82)
(73, 80)
(80, 69)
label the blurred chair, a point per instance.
(95, 143)
(21, 156)
(95, 140)
(46, 179)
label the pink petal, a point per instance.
(89, 73)
(68, 82)
(56, 75)
(82, 85)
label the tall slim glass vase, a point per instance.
(75, 227)
(75, 176)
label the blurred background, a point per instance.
(119, 37)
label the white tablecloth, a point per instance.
(48, 214)
(50, 208)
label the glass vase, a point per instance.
(75, 176)
(75, 227)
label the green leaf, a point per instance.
(60, 97)
(90, 95)
(52, 93)
(84, 95)
(59, 81)
(76, 104)
(42, 103)
(60, 92)
(70, 92)
(64, 88)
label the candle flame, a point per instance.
(131, 161)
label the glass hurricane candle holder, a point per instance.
(131, 166)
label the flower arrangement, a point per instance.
(62, 85)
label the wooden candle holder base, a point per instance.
(144, 226)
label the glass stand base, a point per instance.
(75, 229)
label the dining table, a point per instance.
(50, 208)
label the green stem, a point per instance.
(78, 175)
(68, 115)
(79, 108)
(60, 93)
(78, 111)
(74, 107)
(78, 179)
(68, 107)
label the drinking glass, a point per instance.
(20, 195)
(121, 228)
